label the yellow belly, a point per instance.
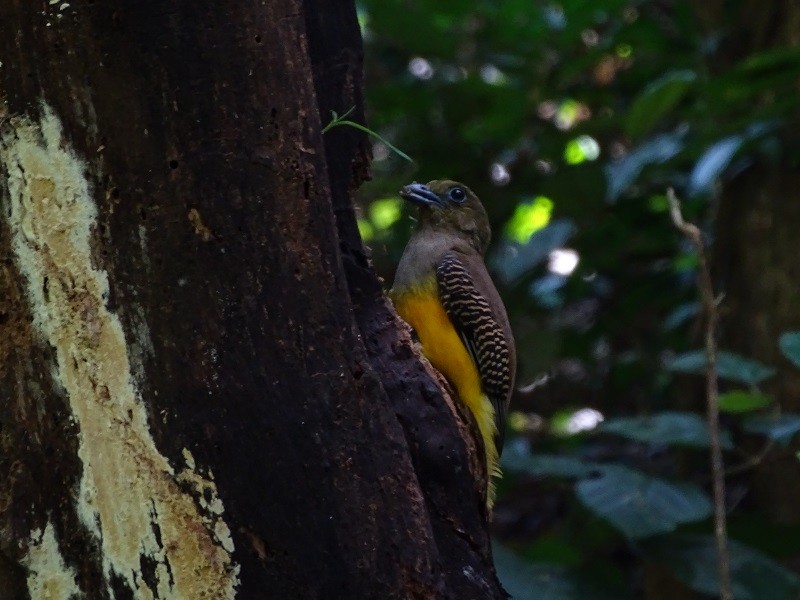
(442, 345)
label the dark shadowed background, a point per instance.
(570, 120)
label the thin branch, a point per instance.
(710, 307)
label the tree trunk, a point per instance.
(760, 275)
(205, 393)
(755, 260)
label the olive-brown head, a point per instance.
(450, 207)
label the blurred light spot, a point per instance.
(517, 421)
(618, 150)
(590, 37)
(605, 70)
(580, 149)
(499, 174)
(521, 422)
(584, 419)
(601, 350)
(366, 229)
(385, 212)
(630, 14)
(562, 261)
(528, 218)
(547, 110)
(566, 116)
(380, 151)
(624, 50)
(554, 16)
(492, 75)
(543, 166)
(420, 68)
(570, 113)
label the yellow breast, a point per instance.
(421, 308)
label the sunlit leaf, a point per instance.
(789, 343)
(730, 366)
(693, 559)
(739, 401)
(525, 580)
(639, 505)
(548, 465)
(581, 149)
(781, 428)
(528, 218)
(656, 100)
(366, 229)
(385, 212)
(678, 428)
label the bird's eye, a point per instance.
(457, 195)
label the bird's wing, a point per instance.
(477, 313)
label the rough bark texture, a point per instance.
(758, 271)
(204, 392)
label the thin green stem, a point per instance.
(341, 120)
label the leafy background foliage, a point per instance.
(570, 120)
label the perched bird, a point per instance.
(443, 290)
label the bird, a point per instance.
(442, 288)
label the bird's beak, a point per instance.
(421, 194)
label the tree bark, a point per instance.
(205, 392)
(755, 248)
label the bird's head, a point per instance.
(451, 207)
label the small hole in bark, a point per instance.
(142, 213)
(115, 193)
(257, 39)
(173, 164)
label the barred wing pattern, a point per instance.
(484, 338)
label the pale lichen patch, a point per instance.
(130, 497)
(200, 228)
(48, 577)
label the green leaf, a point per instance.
(538, 581)
(678, 428)
(693, 559)
(547, 465)
(740, 401)
(656, 100)
(789, 343)
(530, 581)
(730, 366)
(781, 428)
(709, 167)
(639, 505)
(681, 315)
(621, 173)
